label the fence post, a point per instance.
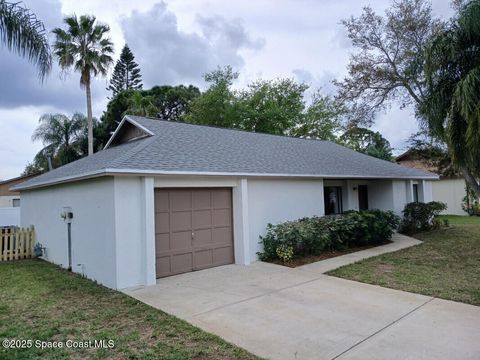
(5, 244)
(10, 245)
(32, 242)
(2, 232)
(22, 247)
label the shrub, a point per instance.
(301, 235)
(419, 216)
(284, 252)
(311, 236)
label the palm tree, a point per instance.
(61, 137)
(451, 110)
(24, 34)
(141, 105)
(84, 47)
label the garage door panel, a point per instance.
(181, 221)
(221, 217)
(161, 201)
(163, 266)
(193, 229)
(221, 199)
(162, 221)
(182, 263)
(163, 243)
(202, 219)
(203, 259)
(202, 199)
(181, 240)
(202, 237)
(180, 200)
(223, 255)
(222, 235)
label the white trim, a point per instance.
(208, 173)
(65, 179)
(148, 244)
(133, 122)
(241, 229)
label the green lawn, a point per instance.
(461, 220)
(41, 301)
(446, 265)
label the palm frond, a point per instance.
(23, 33)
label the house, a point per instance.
(11, 198)
(10, 201)
(165, 198)
(449, 189)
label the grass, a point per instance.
(461, 220)
(41, 301)
(446, 265)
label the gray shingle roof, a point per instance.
(183, 148)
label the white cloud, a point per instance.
(168, 55)
(396, 125)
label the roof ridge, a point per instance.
(229, 129)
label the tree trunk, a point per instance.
(89, 119)
(471, 181)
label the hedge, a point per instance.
(311, 236)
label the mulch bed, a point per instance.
(326, 255)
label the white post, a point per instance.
(149, 230)
(240, 223)
(409, 184)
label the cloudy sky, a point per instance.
(175, 42)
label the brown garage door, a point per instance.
(193, 229)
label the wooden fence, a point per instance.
(16, 243)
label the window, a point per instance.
(333, 200)
(415, 192)
(16, 202)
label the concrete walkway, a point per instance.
(282, 313)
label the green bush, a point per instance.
(418, 216)
(311, 236)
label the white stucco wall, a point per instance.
(134, 248)
(93, 225)
(399, 196)
(380, 195)
(451, 192)
(10, 216)
(275, 201)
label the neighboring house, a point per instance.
(165, 198)
(10, 201)
(449, 189)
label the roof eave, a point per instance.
(106, 172)
(66, 179)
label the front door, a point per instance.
(363, 197)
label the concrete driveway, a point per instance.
(281, 313)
